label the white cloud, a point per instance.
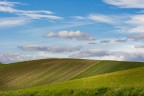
(51, 55)
(136, 37)
(79, 17)
(95, 18)
(105, 41)
(129, 24)
(139, 46)
(52, 49)
(70, 35)
(9, 7)
(16, 57)
(100, 18)
(109, 55)
(13, 21)
(121, 40)
(6, 6)
(137, 56)
(90, 53)
(33, 48)
(136, 23)
(110, 41)
(138, 29)
(38, 16)
(10, 57)
(126, 3)
(9, 4)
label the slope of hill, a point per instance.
(2, 65)
(122, 83)
(107, 67)
(49, 71)
(39, 72)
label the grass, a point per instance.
(72, 77)
(2, 65)
(103, 67)
(122, 83)
(49, 71)
(39, 72)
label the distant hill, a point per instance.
(49, 71)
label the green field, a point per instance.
(2, 65)
(39, 72)
(103, 67)
(72, 77)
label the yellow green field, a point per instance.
(72, 77)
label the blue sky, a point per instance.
(88, 29)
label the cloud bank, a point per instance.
(53, 49)
(114, 55)
(16, 57)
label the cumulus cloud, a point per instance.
(70, 35)
(126, 3)
(53, 49)
(116, 55)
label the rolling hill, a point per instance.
(2, 65)
(122, 83)
(108, 66)
(39, 72)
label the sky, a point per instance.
(83, 29)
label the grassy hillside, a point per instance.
(39, 72)
(122, 83)
(2, 65)
(107, 67)
(49, 71)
